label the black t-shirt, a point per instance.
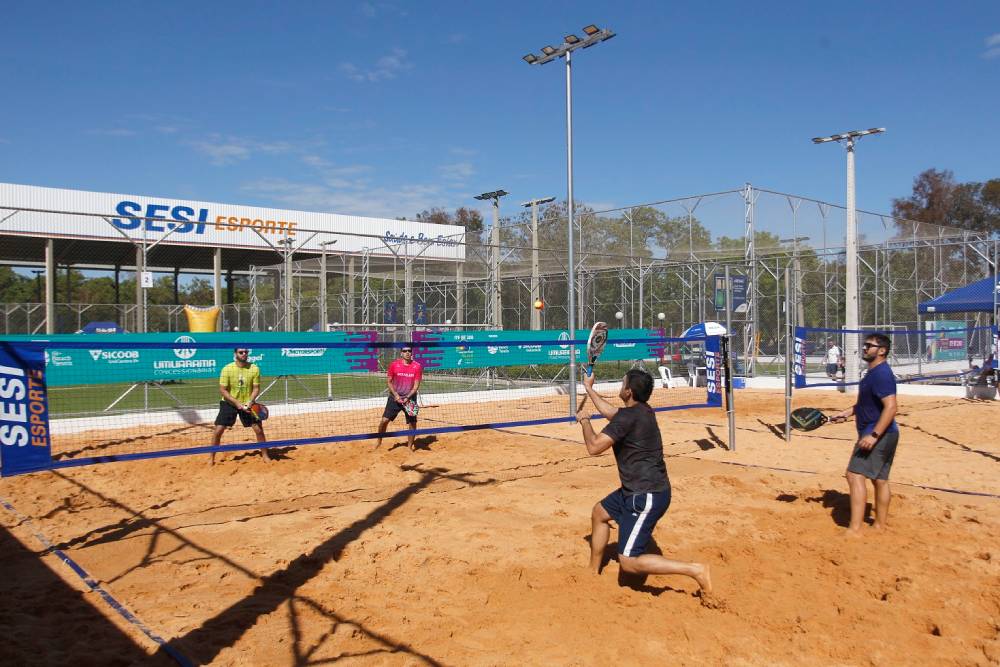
(638, 450)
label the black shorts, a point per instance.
(831, 369)
(394, 407)
(227, 415)
(636, 516)
(876, 462)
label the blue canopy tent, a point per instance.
(981, 296)
(977, 297)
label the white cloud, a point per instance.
(113, 132)
(992, 46)
(464, 152)
(361, 199)
(458, 171)
(386, 67)
(228, 150)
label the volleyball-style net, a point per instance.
(941, 353)
(77, 400)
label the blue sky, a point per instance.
(386, 109)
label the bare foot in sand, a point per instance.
(880, 527)
(704, 579)
(852, 533)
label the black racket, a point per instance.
(595, 345)
(808, 419)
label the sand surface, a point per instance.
(473, 551)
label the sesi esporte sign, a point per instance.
(179, 222)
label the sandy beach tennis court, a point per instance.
(473, 551)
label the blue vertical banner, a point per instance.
(389, 312)
(799, 358)
(25, 445)
(996, 344)
(713, 369)
(420, 313)
(738, 284)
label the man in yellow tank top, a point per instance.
(239, 384)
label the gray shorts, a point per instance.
(876, 462)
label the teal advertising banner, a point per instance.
(503, 354)
(109, 359)
(946, 340)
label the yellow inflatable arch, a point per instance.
(202, 319)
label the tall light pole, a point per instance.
(851, 315)
(536, 293)
(496, 305)
(594, 35)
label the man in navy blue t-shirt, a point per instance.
(874, 415)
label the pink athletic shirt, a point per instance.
(404, 375)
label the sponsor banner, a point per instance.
(713, 369)
(115, 362)
(996, 345)
(799, 358)
(945, 345)
(216, 225)
(24, 409)
(503, 354)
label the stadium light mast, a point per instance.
(851, 315)
(495, 293)
(536, 292)
(593, 35)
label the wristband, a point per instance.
(876, 434)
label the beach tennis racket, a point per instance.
(808, 419)
(259, 411)
(596, 341)
(410, 407)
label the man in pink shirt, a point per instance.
(403, 379)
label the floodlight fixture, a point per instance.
(594, 35)
(492, 195)
(853, 134)
(538, 202)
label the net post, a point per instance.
(788, 357)
(727, 365)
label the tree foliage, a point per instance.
(938, 199)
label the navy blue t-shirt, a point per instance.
(878, 383)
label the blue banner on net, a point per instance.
(713, 370)
(24, 410)
(799, 357)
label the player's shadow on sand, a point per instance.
(424, 442)
(838, 503)
(277, 454)
(636, 582)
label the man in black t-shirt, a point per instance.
(644, 496)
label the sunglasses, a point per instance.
(868, 345)
(242, 351)
(406, 349)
